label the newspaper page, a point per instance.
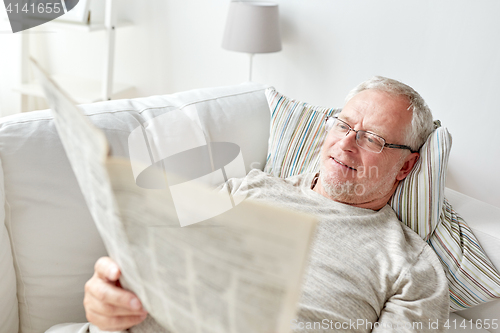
(239, 271)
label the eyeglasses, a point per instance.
(366, 140)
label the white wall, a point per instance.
(10, 45)
(447, 50)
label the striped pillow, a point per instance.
(297, 133)
(472, 278)
(426, 180)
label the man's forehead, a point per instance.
(365, 125)
(378, 112)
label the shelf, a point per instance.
(62, 26)
(81, 90)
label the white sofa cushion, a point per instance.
(9, 321)
(458, 324)
(70, 328)
(55, 243)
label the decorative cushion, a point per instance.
(483, 220)
(297, 133)
(426, 180)
(471, 276)
(54, 240)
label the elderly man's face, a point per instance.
(355, 176)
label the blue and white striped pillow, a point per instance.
(472, 278)
(297, 133)
(426, 182)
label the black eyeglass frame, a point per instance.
(388, 145)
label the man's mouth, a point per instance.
(341, 163)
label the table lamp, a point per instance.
(252, 27)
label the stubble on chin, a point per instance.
(356, 191)
(336, 188)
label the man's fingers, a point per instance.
(107, 269)
(107, 293)
(110, 310)
(107, 305)
(114, 323)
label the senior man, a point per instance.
(367, 271)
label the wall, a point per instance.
(447, 50)
(10, 45)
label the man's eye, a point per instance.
(372, 140)
(342, 126)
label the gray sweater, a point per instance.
(367, 270)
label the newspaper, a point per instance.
(239, 271)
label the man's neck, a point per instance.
(376, 204)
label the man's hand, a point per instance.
(107, 305)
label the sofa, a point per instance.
(48, 241)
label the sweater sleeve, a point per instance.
(420, 301)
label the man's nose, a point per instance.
(348, 141)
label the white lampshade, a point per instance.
(252, 27)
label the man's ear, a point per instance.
(410, 161)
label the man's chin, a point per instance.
(345, 191)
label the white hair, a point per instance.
(421, 124)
